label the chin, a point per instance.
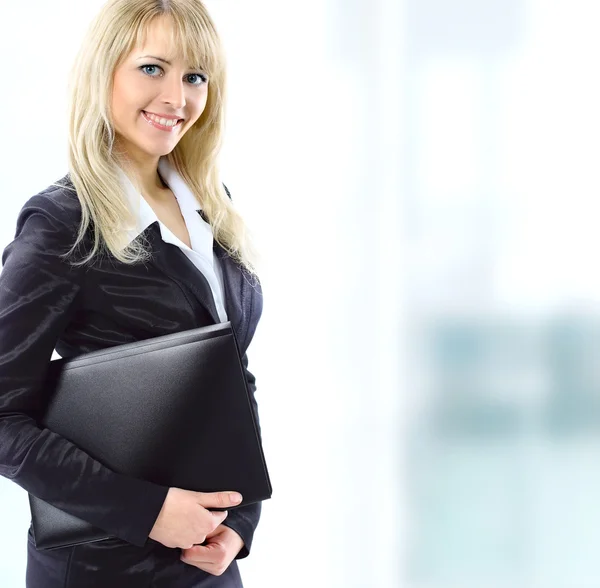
(156, 151)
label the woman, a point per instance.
(139, 239)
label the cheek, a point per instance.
(120, 102)
(199, 104)
(133, 101)
(128, 99)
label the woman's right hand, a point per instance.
(184, 520)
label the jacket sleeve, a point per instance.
(38, 296)
(244, 520)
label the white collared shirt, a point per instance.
(201, 237)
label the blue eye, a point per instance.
(203, 78)
(143, 67)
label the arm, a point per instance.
(244, 520)
(38, 296)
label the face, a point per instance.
(153, 84)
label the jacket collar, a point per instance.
(144, 214)
(173, 262)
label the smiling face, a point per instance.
(153, 84)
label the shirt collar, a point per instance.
(144, 214)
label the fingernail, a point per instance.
(235, 497)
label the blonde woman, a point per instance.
(139, 239)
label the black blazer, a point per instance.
(45, 304)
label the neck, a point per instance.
(143, 170)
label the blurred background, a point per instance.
(421, 179)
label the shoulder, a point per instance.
(47, 224)
(37, 262)
(58, 199)
(56, 206)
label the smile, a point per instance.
(162, 124)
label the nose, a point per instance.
(174, 92)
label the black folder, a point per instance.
(174, 410)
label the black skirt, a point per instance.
(118, 564)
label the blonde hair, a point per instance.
(93, 165)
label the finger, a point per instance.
(201, 554)
(219, 516)
(218, 499)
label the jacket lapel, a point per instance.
(173, 262)
(235, 288)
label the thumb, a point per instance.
(218, 499)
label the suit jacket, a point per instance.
(46, 304)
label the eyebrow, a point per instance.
(165, 61)
(157, 58)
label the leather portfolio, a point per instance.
(174, 410)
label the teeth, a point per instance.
(163, 121)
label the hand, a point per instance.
(184, 519)
(222, 545)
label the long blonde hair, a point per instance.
(93, 171)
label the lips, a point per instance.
(157, 125)
(168, 117)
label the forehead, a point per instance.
(160, 33)
(163, 38)
(159, 38)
